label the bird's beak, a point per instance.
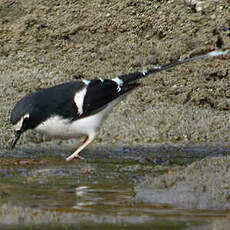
(16, 138)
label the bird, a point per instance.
(78, 108)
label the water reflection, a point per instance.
(98, 189)
(99, 198)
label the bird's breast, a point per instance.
(59, 127)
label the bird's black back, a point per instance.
(99, 94)
(59, 100)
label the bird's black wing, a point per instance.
(101, 92)
(45, 103)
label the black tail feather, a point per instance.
(137, 75)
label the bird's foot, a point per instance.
(73, 156)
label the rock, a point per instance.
(202, 185)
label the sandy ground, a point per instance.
(44, 43)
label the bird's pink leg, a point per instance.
(86, 142)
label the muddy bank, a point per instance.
(13, 217)
(44, 43)
(202, 185)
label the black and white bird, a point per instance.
(78, 108)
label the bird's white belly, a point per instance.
(58, 127)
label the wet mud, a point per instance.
(115, 186)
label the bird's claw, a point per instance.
(71, 157)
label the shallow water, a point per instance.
(43, 190)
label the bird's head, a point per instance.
(23, 117)
(21, 125)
